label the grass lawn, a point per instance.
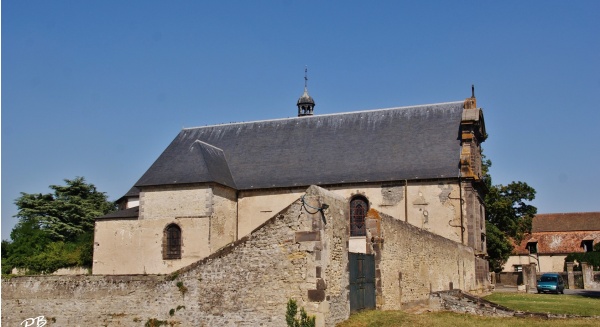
(552, 303)
(548, 303)
(374, 318)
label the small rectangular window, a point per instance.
(587, 245)
(518, 268)
(532, 247)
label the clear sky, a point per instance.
(100, 88)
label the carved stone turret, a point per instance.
(472, 135)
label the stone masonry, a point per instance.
(299, 254)
(411, 263)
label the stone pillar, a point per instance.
(587, 272)
(570, 276)
(530, 277)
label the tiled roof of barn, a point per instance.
(419, 142)
(564, 222)
(560, 233)
(558, 242)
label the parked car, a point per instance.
(551, 283)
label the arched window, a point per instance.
(172, 244)
(358, 210)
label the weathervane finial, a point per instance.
(305, 76)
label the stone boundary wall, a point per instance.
(411, 262)
(573, 281)
(299, 254)
(590, 279)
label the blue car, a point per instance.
(553, 283)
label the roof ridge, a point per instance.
(208, 144)
(323, 115)
(210, 169)
(567, 213)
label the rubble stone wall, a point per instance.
(298, 254)
(411, 262)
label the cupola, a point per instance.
(305, 104)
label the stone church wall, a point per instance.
(176, 202)
(432, 206)
(135, 246)
(205, 214)
(257, 206)
(294, 255)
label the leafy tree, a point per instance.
(67, 213)
(56, 229)
(592, 258)
(499, 247)
(508, 216)
(28, 240)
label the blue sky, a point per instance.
(99, 89)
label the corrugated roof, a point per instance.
(563, 222)
(419, 142)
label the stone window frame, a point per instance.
(172, 234)
(357, 219)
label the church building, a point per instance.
(213, 185)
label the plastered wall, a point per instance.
(135, 246)
(176, 202)
(256, 207)
(207, 218)
(547, 263)
(212, 216)
(432, 206)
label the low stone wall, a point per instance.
(509, 278)
(591, 278)
(295, 255)
(460, 302)
(59, 272)
(411, 262)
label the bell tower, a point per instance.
(305, 103)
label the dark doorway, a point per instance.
(362, 281)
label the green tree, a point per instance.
(56, 229)
(508, 216)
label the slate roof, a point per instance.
(418, 142)
(126, 213)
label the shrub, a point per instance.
(592, 258)
(290, 316)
